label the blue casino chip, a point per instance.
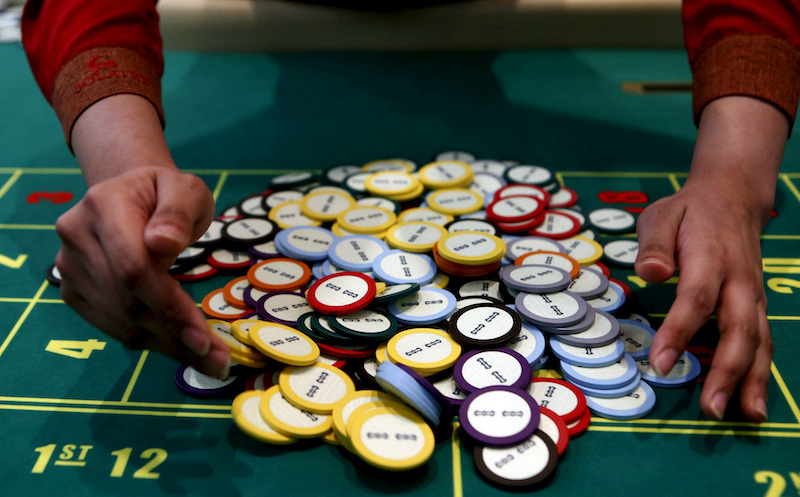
(589, 357)
(634, 405)
(305, 243)
(399, 383)
(356, 252)
(686, 370)
(427, 306)
(614, 392)
(616, 375)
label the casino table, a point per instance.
(81, 415)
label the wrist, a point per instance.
(738, 153)
(118, 134)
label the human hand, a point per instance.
(711, 231)
(118, 243)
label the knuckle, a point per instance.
(129, 272)
(702, 299)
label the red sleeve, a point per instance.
(81, 51)
(744, 47)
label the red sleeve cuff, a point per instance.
(99, 73)
(759, 66)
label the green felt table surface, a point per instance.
(114, 423)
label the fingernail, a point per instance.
(167, 231)
(718, 404)
(196, 340)
(220, 361)
(760, 405)
(665, 361)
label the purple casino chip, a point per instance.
(583, 325)
(282, 307)
(196, 384)
(446, 404)
(551, 310)
(499, 416)
(603, 331)
(589, 284)
(480, 369)
(535, 278)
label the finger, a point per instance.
(151, 297)
(695, 301)
(739, 340)
(739, 313)
(215, 361)
(657, 230)
(184, 209)
(753, 391)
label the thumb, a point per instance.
(657, 230)
(184, 208)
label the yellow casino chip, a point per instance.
(455, 201)
(246, 411)
(391, 183)
(393, 438)
(285, 418)
(446, 174)
(417, 236)
(316, 388)
(471, 248)
(425, 350)
(284, 344)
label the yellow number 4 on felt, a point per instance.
(75, 348)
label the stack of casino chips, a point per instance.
(406, 298)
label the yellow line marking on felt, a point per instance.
(43, 170)
(10, 182)
(790, 186)
(41, 227)
(23, 300)
(692, 431)
(785, 391)
(780, 237)
(97, 410)
(673, 178)
(458, 490)
(22, 318)
(113, 403)
(220, 182)
(696, 423)
(619, 174)
(135, 376)
(78, 464)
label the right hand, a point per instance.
(118, 243)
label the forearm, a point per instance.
(739, 148)
(118, 134)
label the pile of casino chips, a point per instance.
(372, 304)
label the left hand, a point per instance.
(710, 230)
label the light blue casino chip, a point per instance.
(356, 252)
(428, 306)
(616, 375)
(611, 301)
(612, 393)
(634, 405)
(305, 243)
(638, 338)
(397, 267)
(590, 357)
(530, 343)
(686, 369)
(399, 383)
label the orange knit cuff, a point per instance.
(759, 66)
(99, 73)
